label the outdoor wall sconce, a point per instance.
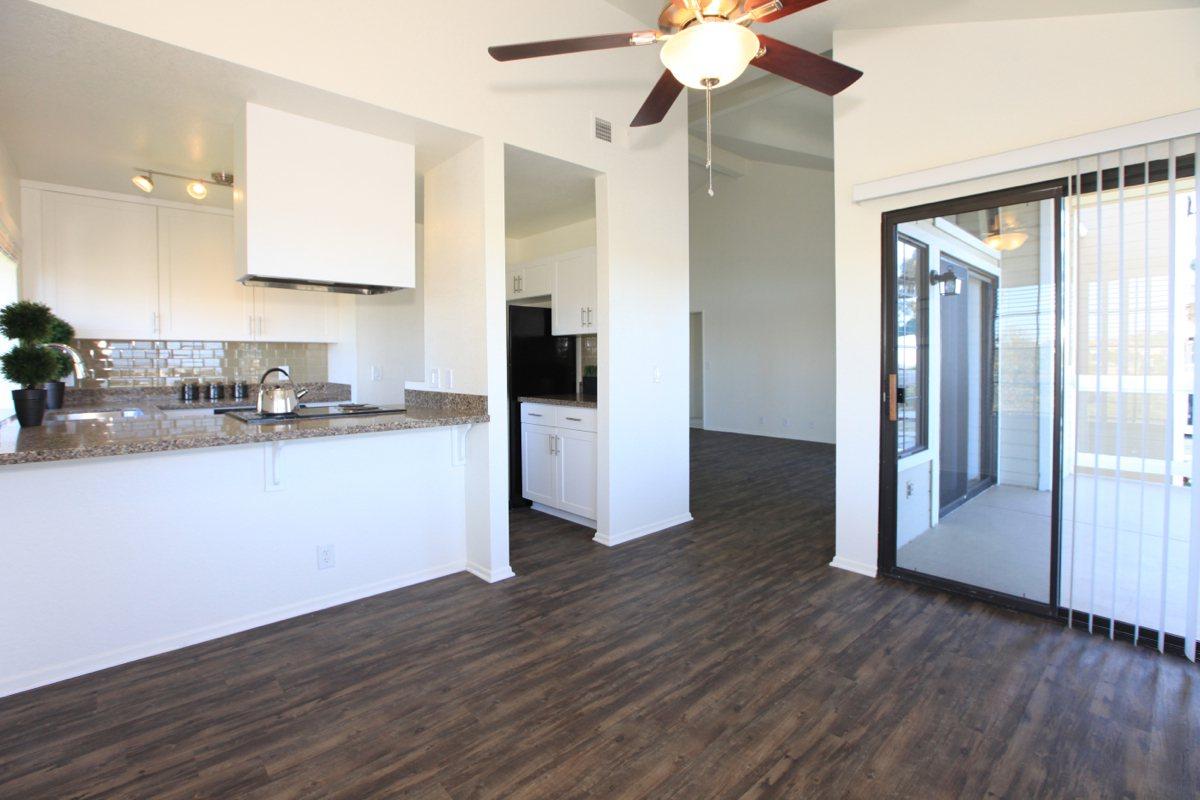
(949, 283)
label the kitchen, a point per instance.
(553, 335)
(269, 412)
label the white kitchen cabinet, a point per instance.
(530, 280)
(294, 315)
(577, 472)
(558, 458)
(95, 263)
(197, 296)
(573, 304)
(539, 464)
(118, 269)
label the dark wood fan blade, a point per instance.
(661, 98)
(789, 7)
(804, 67)
(557, 47)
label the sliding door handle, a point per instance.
(891, 400)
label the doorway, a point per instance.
(968, 456)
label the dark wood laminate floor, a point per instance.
(720, 659)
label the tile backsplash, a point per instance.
(587, 351)
(143, 362)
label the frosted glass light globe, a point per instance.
(719, 50)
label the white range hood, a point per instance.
(322, 207)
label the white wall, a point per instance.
(555, 241)
(1013, 84)
(762, 274)
(390, 335)
(164, 550)
(399, 57)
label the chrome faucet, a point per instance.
(76, 359)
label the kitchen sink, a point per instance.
(80, 416)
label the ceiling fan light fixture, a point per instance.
(713, 53)
(143, 182)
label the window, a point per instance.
(912, 345)
(8, 294)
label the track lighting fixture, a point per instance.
(197, 188)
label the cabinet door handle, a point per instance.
(582, 316)
(520, 283)
(575, 419)
(261, 325)
(550, 442)
(533, 414)
(557, 446)
(589, 315)
(250, 324)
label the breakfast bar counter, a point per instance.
(148, 427)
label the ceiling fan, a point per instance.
(706, 43)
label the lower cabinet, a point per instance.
(558, 458)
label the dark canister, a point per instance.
(216, 391)
(189, 391)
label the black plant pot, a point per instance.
(54, 394)
(30, 405)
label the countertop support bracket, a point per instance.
(458, 445)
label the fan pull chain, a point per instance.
(708, 84)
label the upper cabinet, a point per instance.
(119, 269)
(318, 203)
(573, 305)
(530, 280)
(94, 261)
(196, 294)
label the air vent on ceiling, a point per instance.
(602, 129)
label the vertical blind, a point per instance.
(1130, 543)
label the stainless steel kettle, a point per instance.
(278, 398)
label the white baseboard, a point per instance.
(491, 575)
(769, 434)
(854, 566)
(567, 515)
(135, 652)
(614, 539)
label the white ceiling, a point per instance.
(84, 103)
(543, 193)
(813, 28)
(766, 118)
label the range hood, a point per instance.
(321, 207)
(316, 286)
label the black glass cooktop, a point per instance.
(252, 417)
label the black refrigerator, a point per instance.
(538, 364)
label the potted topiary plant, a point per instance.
(61, 332)
(28, 364)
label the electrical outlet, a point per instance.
(434, 378)
(762, 420)
(657, 375)
(787, 423)
(376, 373)
(325, 556)
(447, 378)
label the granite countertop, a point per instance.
(576, 400)
(158, 431)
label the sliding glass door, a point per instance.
(969, 435)
(1039, 392)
